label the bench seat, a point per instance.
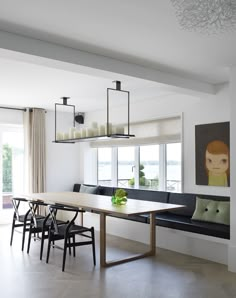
(185, 223)
(179, 219)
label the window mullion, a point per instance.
(114, 166)
(136, 166)
(162, 167)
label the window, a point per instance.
(12, 164)
(126, 165)
(156, 167)
(149, 167)
(104, 166)
(173, 167)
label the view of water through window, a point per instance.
(149, 166)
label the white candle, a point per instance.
(65, 136)
(102, 130)
(120, 129)
(77, 134)
(94, 125)
(59, 136)
(95, 132)
(84, 133)
(71, 132)
(89, 132)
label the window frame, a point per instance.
(162, 167)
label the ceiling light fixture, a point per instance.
(95, 131)
(206, 16)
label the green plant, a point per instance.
(142, 180)
(7, 168)
(120, 193)
(120, 197)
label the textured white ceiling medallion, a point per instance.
(206, 16)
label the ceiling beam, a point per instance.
(55, 52)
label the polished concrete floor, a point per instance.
(167, 275)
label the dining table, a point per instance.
(104, 207)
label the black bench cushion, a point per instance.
(189, 200)
(106, 191)
(76, 187)
(185, 223)
(147, 195)
(143, 218)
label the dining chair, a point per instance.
(39, 225)
(68, 233)
(20, 220)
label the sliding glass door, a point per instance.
(12, 167)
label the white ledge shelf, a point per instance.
(95, 138)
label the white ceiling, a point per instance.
(141, 32)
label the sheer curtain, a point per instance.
(35, 155)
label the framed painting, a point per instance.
(212, 147)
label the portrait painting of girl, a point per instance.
(212, 154)
(217, 163)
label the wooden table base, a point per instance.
(151, 252)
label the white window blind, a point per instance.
(158, 131)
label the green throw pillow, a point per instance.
(88, 189)
(212, 211)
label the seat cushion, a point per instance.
(185, 223)
(88, 189)
(212, 211)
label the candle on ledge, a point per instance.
(65, 136)
(84, 133)
(95, 131)
(113, 130)
(94, 125)
(120, 129)
(71, 132)
(89, 132)
(59, 136)
(77, 134)
(102, 130)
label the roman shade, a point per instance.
(157, 131)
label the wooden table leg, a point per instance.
(103, 239)
(151, 252)
(152, 234)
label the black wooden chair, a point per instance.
(38, 225)
(20, 220)
(68, 233)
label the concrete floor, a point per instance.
(168, 275)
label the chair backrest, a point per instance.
(16, 206)
(34, 210)
(53, 212)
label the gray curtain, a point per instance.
(35, 155)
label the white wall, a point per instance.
(232, 244)
(63, 160)
(14, 117)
